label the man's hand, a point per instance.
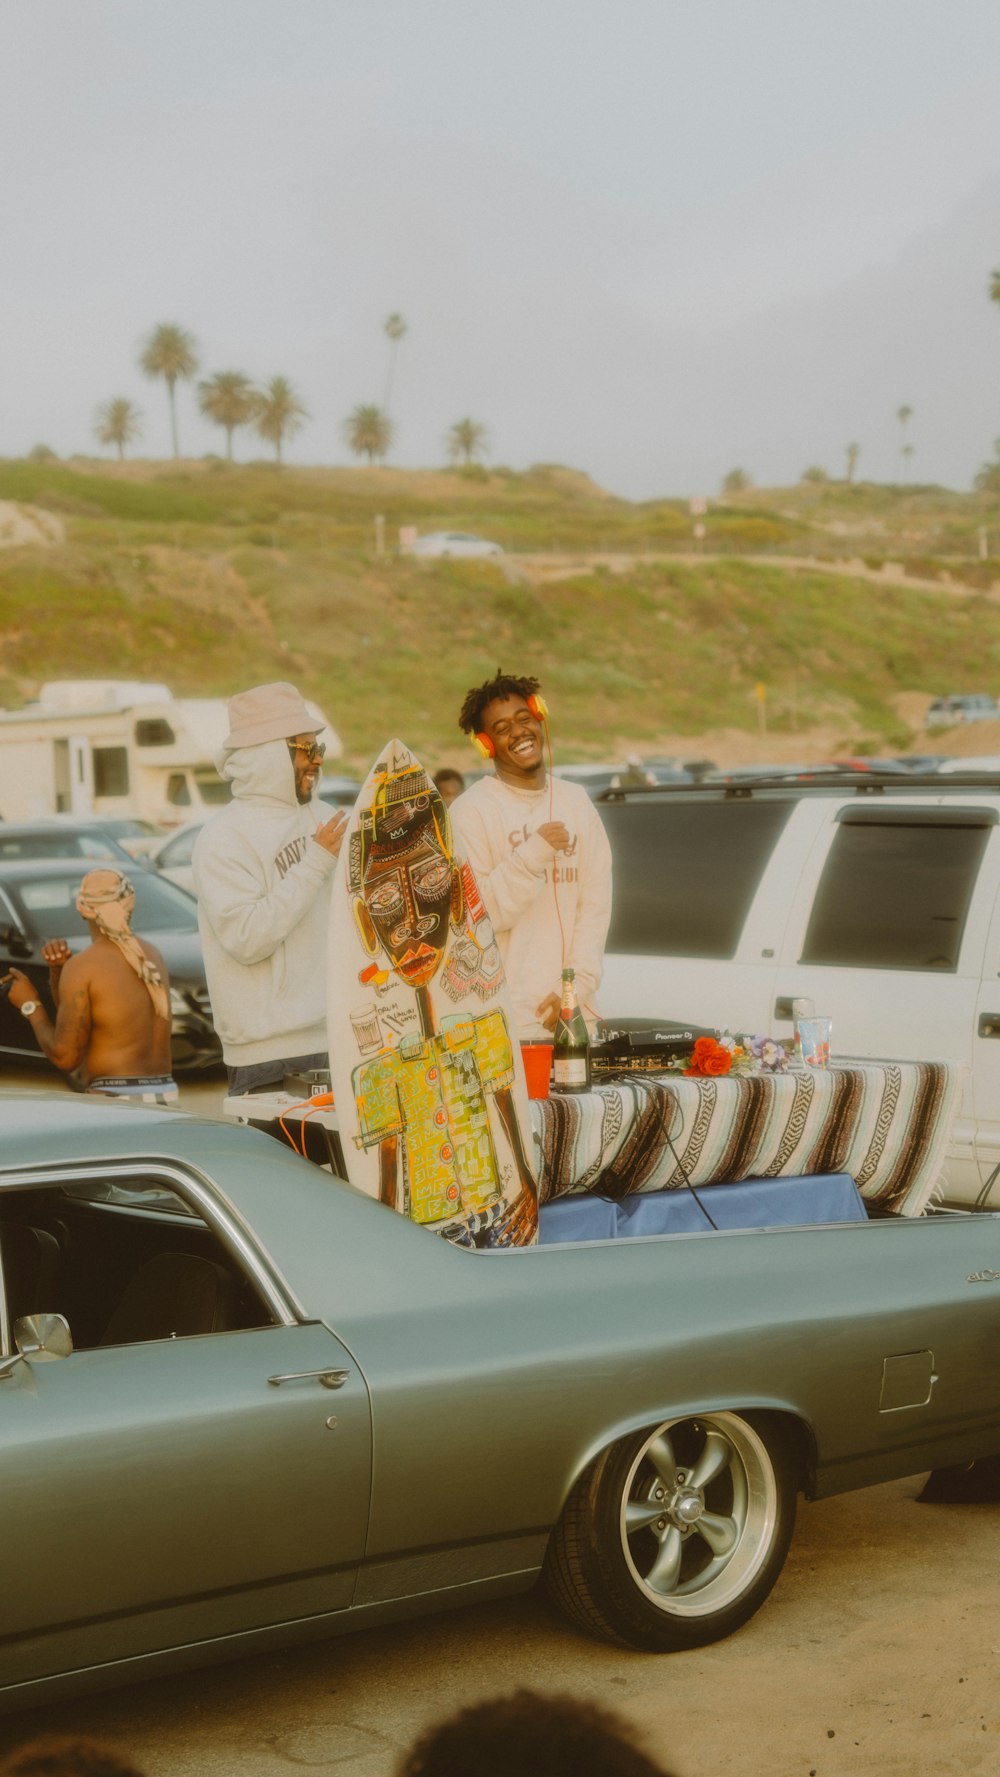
(330, 835)
(56, 953)
(548, 1012)
(556, 834)
(19, 988)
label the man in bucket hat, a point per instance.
(263, 867)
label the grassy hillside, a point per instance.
(211, 578)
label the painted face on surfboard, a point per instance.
(517, 741)
(409, 878)
(434, 1118)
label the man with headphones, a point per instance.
(539, 852)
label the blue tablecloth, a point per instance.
(754, 1203)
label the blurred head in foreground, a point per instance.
(526, 1732)
(66, 1755)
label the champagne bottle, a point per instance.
(571, 1042)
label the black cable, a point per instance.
(681, 1169)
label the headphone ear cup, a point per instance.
(538, 706)
(484, 746)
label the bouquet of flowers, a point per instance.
(711, 1058)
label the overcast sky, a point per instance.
(655, 239)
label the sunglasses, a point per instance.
(314, 749)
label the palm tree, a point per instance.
(394, 329)
(229, 399)
(904, 415)
(118, 422)
(466, 441)
(853, 453)
(172, 353)
(280, 413)
(368, 431)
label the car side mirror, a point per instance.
(40, 1337)
(14, 942)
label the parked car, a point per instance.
(403, 1424)
(974, 707)
(172, 857)
(445, 543)
(634, 773)
(63, 838)
(876, 896)
(988, 762)
(37, 902)
(138, 837)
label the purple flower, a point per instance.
(769, 1054)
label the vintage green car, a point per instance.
(243, 1405)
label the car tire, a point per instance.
(630, 1559)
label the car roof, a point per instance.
(16, 868)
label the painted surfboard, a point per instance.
(427, 1071)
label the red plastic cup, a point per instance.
(537, 1058)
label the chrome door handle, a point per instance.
(327, 1378)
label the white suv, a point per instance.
(878, 900)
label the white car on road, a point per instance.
(453, 543)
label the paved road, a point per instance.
(878, 1649)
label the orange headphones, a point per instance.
(539, 709)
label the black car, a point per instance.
(37, 902)
(63, 839)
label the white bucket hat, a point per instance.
(268, 712)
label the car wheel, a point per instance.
(674, 1537)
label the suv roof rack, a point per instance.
(863, 783)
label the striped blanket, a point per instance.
(886, 1123)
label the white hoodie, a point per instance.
(263, 887)
(549, 910)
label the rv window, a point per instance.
(153, 731)
(214, 789)
(110, 771)
(178, 792)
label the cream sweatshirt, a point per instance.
(263, 887)
(549, 910)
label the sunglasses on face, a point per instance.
(313, 749)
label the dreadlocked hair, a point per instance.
(470, 718)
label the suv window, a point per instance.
(896, 889)
(687, 870)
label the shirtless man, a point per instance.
(112, 1000)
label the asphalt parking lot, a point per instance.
(878, 1648)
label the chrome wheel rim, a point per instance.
(698, 1514)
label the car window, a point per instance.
(895, 893)
(125, 1261)
(59, 845)
(686, 872)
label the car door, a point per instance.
(159, 1492)
(18, 951)
(887, 936)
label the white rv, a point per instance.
(116, 747)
